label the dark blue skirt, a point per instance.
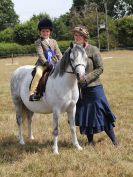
(93, 113)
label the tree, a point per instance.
(125, 32)
(77, 3)
(121, 9)
(62, 27)
(37, 18)
(116, 8)
(25, 33)
(8, 16)
(7, 35)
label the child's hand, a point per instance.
(49, 65)
(55, 59)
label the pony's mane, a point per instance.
(62, 64)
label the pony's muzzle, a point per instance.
(80, 77)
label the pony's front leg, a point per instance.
(55, 131)
(71, 118)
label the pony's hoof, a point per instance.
(32, 138)
(55, 151)
(79, 148)
(21, 142)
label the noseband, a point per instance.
(73, 67)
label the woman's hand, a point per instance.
(82, 83)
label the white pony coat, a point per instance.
(61, 94)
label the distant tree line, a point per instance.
(120, 23)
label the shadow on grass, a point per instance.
(11, 151)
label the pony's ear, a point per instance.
(71, 45)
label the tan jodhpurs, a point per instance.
(36, 79)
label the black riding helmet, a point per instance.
(45, 24)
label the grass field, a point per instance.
(35, 158)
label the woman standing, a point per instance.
(93, 113)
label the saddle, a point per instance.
(42, 83)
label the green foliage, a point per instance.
(6, 49)
(62, 29)
(103, 40)
(116, 8)
(122, 8)
(6, 35)
(25, 33)
(78, 3)
(37, 18)
(63, 45)
(92, 41)
(113, 33)
(8, 16)
(125, 31)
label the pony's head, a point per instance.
(78, 60)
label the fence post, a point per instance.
(12, 59)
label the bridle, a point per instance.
(73, 67)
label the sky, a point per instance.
(26, 8)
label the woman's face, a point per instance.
(45, 33)
(79, 39)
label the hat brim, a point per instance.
(80, 32)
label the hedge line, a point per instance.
(7, 49)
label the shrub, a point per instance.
(125, 31)
(25, 33)
(7, 49)
(6, 35)
(63, 45)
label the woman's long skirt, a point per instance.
(93, 113)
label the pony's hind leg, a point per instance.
(18, 106)
(29, 118)
(55, 131)
(21, 113)
(71, 118)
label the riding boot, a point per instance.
(112, 136)
(35, 96)
(90, 139)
